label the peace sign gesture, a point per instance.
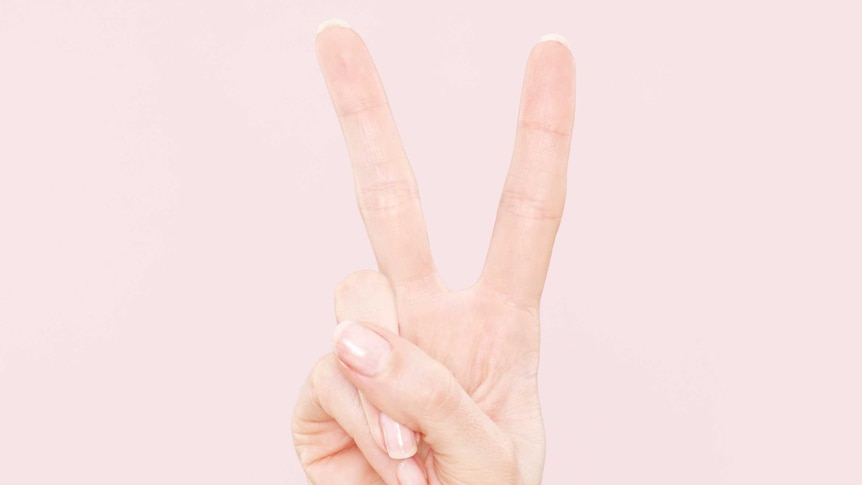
(458, 368)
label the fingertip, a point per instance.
(361, 349)
(410, 473)
(334, 36)
(333, 22)
(556, 38)
(340, 328)
(550, 72)
(399, 440)
(553, 54)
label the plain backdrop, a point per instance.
(176, 208)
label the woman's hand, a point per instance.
(458, 368)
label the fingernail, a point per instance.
(409, 473)
(332, 23)
(557, 38)
(361, 348)
(399, 439)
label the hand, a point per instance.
(457, 367)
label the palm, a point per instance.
(488, 334)
(489, 344)
(492, 348)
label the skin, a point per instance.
(462, 369)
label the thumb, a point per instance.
(414, 389)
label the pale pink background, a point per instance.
(176, 207)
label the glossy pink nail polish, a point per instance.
(361, 348)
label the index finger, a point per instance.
(386, 189)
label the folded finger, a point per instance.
(405, 382)
(332, 437)
(368, 296)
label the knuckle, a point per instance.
(441, 396)
(359, 291)
(545, 128)
(321, 374)
(530, 207)
(387, 194)
(364, 109)
(364, 278)
(312, 395)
